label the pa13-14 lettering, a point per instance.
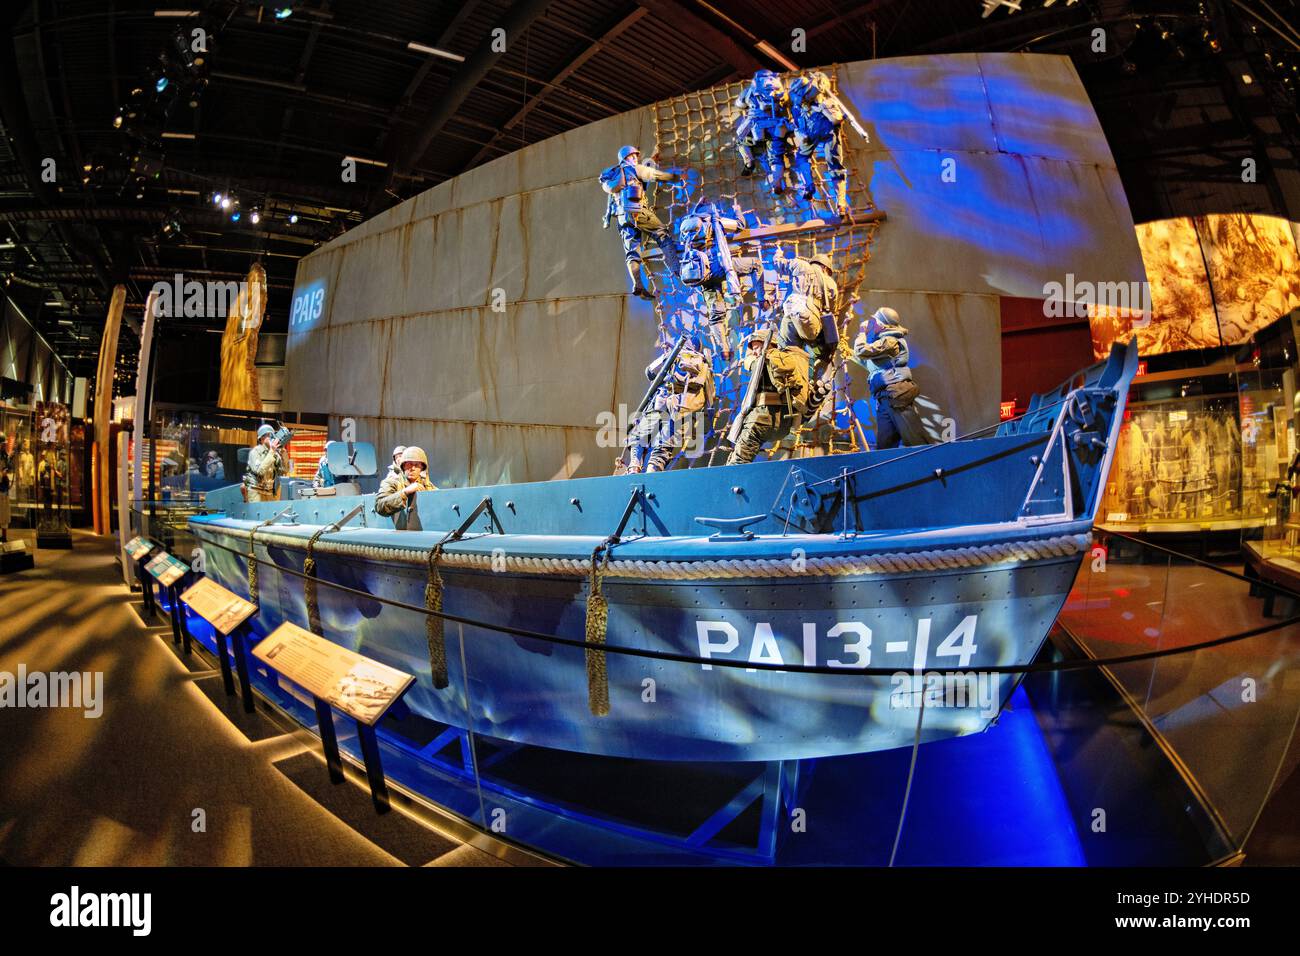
(720, 639)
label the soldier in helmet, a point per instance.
(396, 492)
(708, 265)
(266, 464)
(788, 390)
(881, 348)
(764, 128)
(819, 127)
(625, 183)
(324, 477)
(674, 418)
(394, 468)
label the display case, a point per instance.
(1207, 441)
(51, 439)
(16, 427)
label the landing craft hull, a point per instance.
(843, 571)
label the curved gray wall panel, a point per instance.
(407, 342)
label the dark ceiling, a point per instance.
(1185, 92)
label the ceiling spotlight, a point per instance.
(293, 218)
(216, 199)
(161, 84)
(255, 217)
(225, 202)
(234, 216)
(283, 13)
(117, 121)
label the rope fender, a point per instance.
(721, 568)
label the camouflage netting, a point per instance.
(695, 134)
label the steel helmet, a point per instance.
(823, 260)
(263, 431)
(627, 151)
(886, 316)
(413, 453)
(397, 451)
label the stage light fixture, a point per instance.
(225, 203)
(293, 218)
(161, 84)
(283, 13)
(255, 217)
(234, 216)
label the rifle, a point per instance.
(724, 251)
(668, 362)
(751, 391)
(848, 115)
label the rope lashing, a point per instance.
(433, 628)
(252, 559)
(309, 585)
(597, 622)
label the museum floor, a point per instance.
(124, 788)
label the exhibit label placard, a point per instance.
(166, 569)
(225, 610)
(358, 686)
(138, 547)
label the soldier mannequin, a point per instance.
(764, 126)
(26, 470)
(393, 467)
(396, 494)
(881, 348)
(673, 419)
(819, 126)
(625, 184)
(788, 391)
(265, 466)
(6, 481)
(324, 478)
(702, 268)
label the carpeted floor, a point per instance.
(171, 772)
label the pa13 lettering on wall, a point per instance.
(845, 644)
(308, 305)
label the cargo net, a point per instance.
(695, 135)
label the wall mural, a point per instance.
(1214, 281)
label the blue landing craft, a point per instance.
(957, 555)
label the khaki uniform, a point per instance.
(673, 421)
(776, 412)
(262, 474)
(637, 222)
(390, 502)
(808, 307)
